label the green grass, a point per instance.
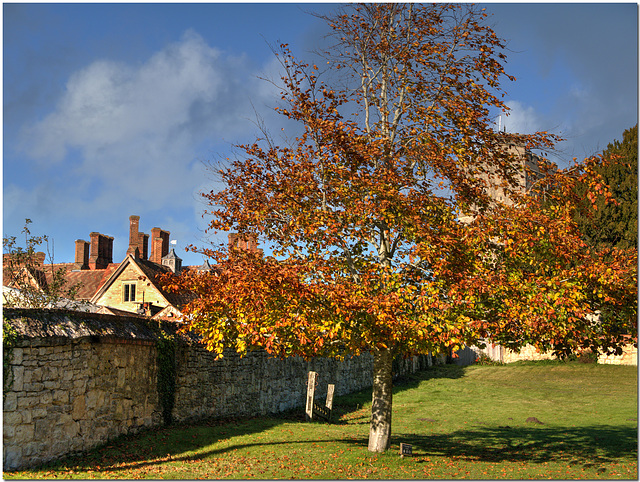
(467, 423)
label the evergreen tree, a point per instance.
(615, 224)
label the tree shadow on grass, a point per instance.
(584, 445)
(587, 446)
(159, 445)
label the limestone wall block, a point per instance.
(39, 412)
(94, 399)
(27, 416)
(12, 456)
(121, 377)
(33, 387)
(80, 384)
(24, 433)
(78, 410)
(10, 402)
(11, 418)
(43, 429)
(8, 433)
(16, 356)
(31, 449)
(27, 401)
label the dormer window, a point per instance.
(129, 292)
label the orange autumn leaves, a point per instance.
(288, 309)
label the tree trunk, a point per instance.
(380, 429)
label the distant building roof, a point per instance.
(206, 266)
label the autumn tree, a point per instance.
(364, 206)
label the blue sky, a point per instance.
(112, 109)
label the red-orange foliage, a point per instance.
(363, 208)
(541, 283)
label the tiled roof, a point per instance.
(88, 281)
(153, 270)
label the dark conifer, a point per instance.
(615, 225)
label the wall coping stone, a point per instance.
(47, 325)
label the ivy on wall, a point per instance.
(166, 347)
(9, 340)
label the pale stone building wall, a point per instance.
(145, 291)
(629, 357)
(528, 352)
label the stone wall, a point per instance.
(75, 380)
(257, 384)
(67, 389)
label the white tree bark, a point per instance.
(380, 428)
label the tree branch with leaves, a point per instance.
(31, 282)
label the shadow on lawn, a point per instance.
(585, 445)
(355, 401)
(348, 409)
(162, 444)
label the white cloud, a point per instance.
(109, 103)
(521, 119)
(127, 135)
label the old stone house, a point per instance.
(129, 287)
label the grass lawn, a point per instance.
(463, 423)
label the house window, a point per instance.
(129, 293)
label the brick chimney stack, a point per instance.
(101, 251)
(82, 254)
(159, 245)
(94, 262)
(138, 242)
(134, 222)
(39, 258)
(250, 244)
(143, 245)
